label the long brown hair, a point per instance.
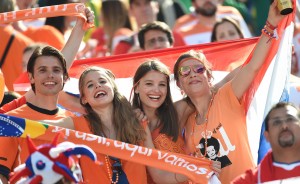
(115, 16)
(127, 126)
(232, 21)
(166, 113)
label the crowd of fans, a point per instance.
(45, 48)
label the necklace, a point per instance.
(108, 166)
(197, 151)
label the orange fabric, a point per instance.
(165, 143)
(16, 149)
(231, 144)
(136, 173)
(194, 31)
(13, 105)
(2, 86)
(122, 48)
(46, 34)
(12, 66)
(99, 35)
(121, 34)
(71, 9)
(178, 39)
(196, 169)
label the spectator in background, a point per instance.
(147, 23)
(196, 27)
(282, 130)
(169, 11)
(226, 29)
(114, 16)
(14, 42)
(241, 6)
(157, 35)
(143, 12)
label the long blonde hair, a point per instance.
(127, 126)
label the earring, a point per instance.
(182, 92)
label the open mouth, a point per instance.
(100, 94)
(154, 97)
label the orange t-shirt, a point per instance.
(226, 133)
(194, 31)
(13, 105)
(165, 143)
(14, 151)
(46, 34)
(136, 173)
(12, 66)
(2, 86)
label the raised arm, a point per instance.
(71, 47)
(245, 77)
(184, 109)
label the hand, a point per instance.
(216, 167)
(90, 16)
(140, 115)
(274, 16)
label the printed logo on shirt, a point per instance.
(215, 150)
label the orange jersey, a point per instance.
(136, 173)
(14, 151)
(225, 134)
(13, 105)
(46, 34)
(12, 67)
(2, 86)
(165, 143)
(194, 31)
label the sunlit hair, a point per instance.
(278, 106)
(166, 113)
(115, 16)
(46, 51)
(199, 56)
(127, 127)
(235, 24)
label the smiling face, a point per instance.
(96, 89)
(194, 83)
(152, 89)
(226, 31)
(47, 76)
(211, 152)
(284, 128)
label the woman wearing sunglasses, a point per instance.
(221, 115)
